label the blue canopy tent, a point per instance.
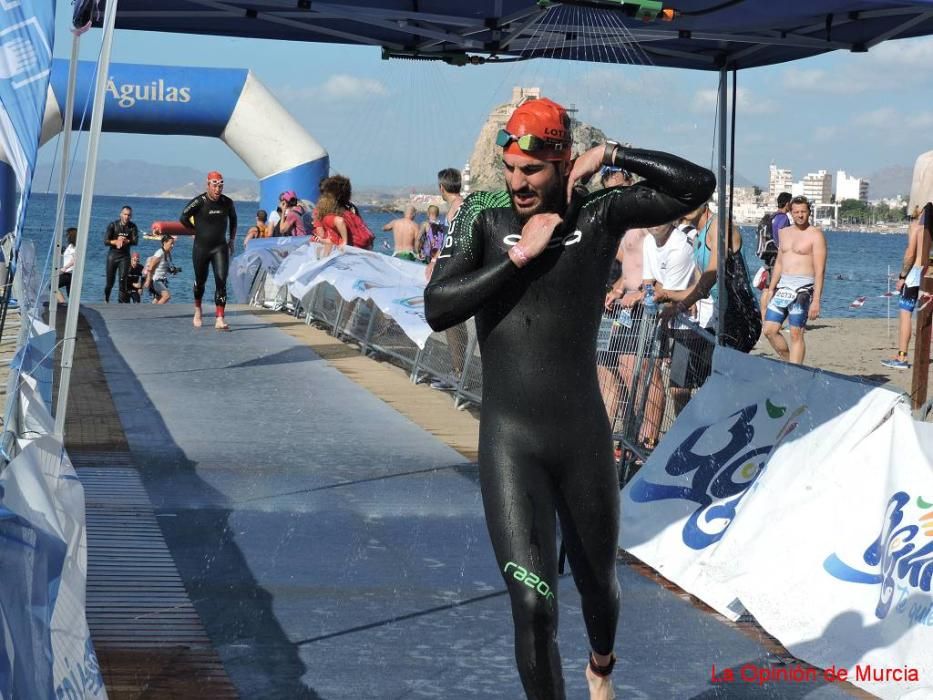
(719, 35)
(703, 34)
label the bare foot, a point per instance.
(197, 319)
(600, 686)
(221, 325)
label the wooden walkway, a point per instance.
(148, 637)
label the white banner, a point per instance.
(260, 254)
(770, 472)
(405, 306)
(395, 286)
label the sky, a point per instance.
(396, 123)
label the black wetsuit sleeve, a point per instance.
(110, 234)
(672, 187)
(134, 234)
(191, 208)
(461, 284)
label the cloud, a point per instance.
(825, 134)
(843, 82)
(349, 87)
(883, 117)
(748, 102)
(906, 53)
(923, 120)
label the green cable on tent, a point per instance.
(645, 10)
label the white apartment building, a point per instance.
(818, 187)
(779, 180)
(850, 187)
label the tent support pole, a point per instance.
(63, 181)
(84, 217)
(721, 218)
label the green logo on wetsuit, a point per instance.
(530, 579)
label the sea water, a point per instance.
(857, 263)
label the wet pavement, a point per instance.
(335, 549)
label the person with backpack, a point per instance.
(357, 232)
(769, 229)
(743, 321)
(293, 219)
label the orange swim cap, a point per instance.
(545, 120)
(214, 175)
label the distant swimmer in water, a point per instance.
(405, 234)
(208, 214)
(532, 269)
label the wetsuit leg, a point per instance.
(112, 263)
(200, 262)
(123, 266)
(220, 263)
(519, 501)
(588, 508)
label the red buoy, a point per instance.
(173, 228)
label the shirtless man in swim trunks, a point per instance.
(405, 232)
(797, 283)
(908, 284)
(532, 269)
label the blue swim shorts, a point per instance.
(791, 304)
(910, 291)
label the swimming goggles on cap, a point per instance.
(215, 182)
(528, 142)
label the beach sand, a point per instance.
(854, 347)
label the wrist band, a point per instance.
(609, 152)
(522, 258)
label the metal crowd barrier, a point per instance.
(647, 372)
(449, 361)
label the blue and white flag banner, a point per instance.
(43, 552)
(27, 33)
(395, 286)
(806, 499)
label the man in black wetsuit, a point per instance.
(208, 214)
(120, 236)
(532, 269)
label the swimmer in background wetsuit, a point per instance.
(120, 236)
(532, 269)
(208, 214)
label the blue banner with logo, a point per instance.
(27, 32)
(144, 99)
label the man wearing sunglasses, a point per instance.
(531, 264)
(208, 214)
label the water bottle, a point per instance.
(649, 304)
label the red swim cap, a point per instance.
(546, 120)
(214, 175)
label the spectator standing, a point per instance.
(769, 236)
(431, 237)
(68, 265)
(119, 237)
(260, 229)
(293, 221)
(404, 234)
(796, 286)
(908, 285)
